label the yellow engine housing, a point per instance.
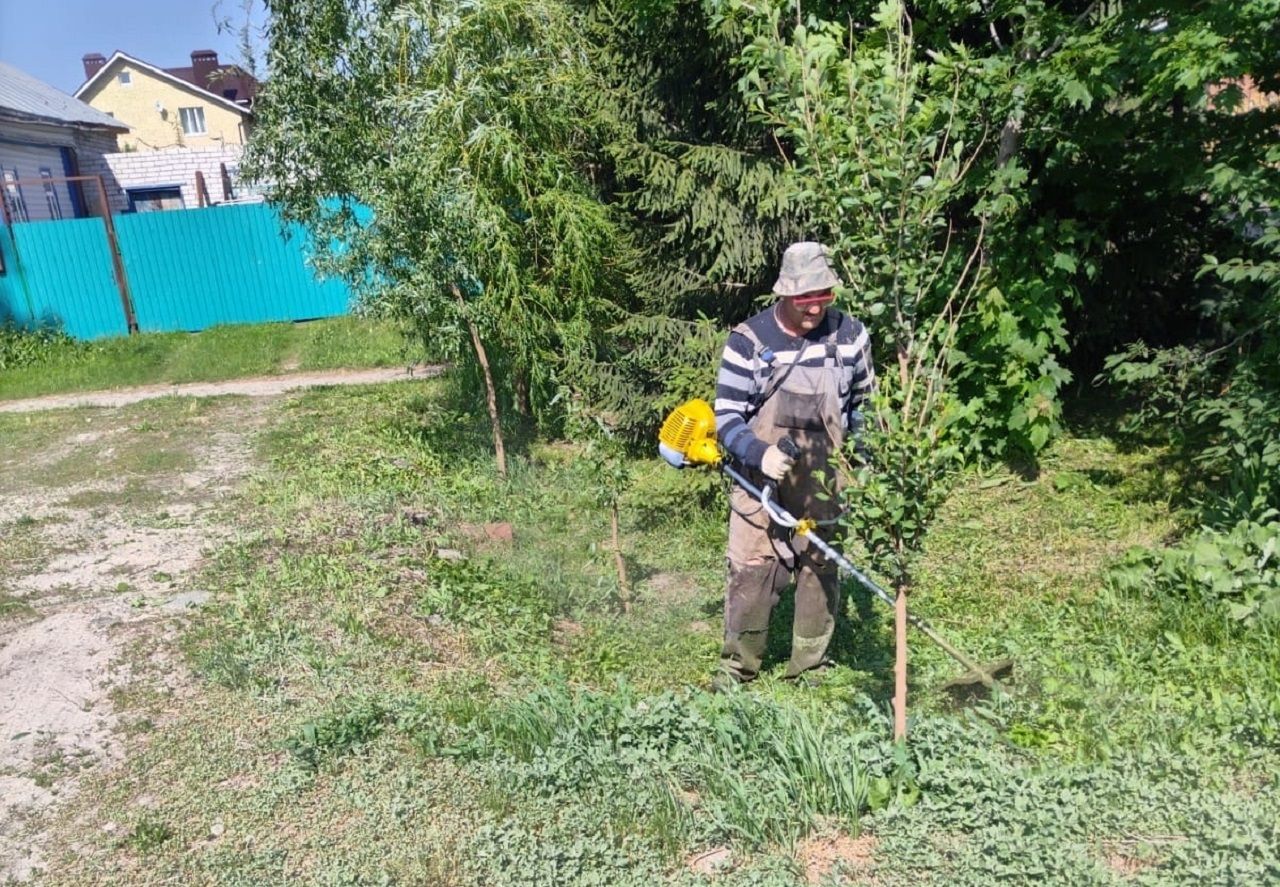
(688, 436)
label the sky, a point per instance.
(47, 38)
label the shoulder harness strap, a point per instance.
(763, 353)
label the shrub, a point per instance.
(23, 347)
(1238, 568)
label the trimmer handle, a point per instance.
(788, 446)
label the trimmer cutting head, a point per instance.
(977, 684)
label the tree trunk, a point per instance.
(900, 665)
(524, 404)
(491, 392)
(624, 585)
(1011, 132)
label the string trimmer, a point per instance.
(688, 438)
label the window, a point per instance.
(124, 78)
(149, 200)
(51, 193)
(13, 197)
(192, 120)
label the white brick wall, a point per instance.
(171, 167)
(90, 151)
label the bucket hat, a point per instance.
(805, 269)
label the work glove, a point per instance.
(776, 463)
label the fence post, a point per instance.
(202, 192)
(117, 261)
(226, 181)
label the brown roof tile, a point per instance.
(223, 80)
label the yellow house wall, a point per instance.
(134, 104)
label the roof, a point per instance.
(163, 75)
(224, 78)
(23, 97)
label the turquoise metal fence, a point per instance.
(59, 274)
(186, 270)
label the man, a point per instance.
(798, 369)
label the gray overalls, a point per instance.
(805, 404)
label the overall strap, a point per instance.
(762, 352)
(831, 341)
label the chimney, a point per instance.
(203, 63)
(93, 63)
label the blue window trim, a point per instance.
(73, 188)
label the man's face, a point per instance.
(805, 312)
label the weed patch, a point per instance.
(501, 612)
(335, 733)
(658, 773)
(20, 347)
(149, 834)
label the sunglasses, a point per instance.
(823, 298)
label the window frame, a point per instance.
(155, 193)
(193, 114)
(51, 194)
(13, 195)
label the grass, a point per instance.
(14, 608)
(117, 456)
(219, 353)
(369, 711)
(22, 551)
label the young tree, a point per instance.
(441, 153)
(881, 153)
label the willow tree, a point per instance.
(880, 154)
(441, 152)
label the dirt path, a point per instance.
(104, 518)
(257, 387)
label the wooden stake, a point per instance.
(624, 585)
(900, 666)
(117, 259)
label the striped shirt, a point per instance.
(743, 375)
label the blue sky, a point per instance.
(47, 38)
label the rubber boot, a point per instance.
(817, 598)
(752, 592)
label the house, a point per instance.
(205, 105)
(176, 178)
(47, 136)
(1246, 95)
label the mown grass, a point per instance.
(371, 709)
(112, 458)
(215, 354)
